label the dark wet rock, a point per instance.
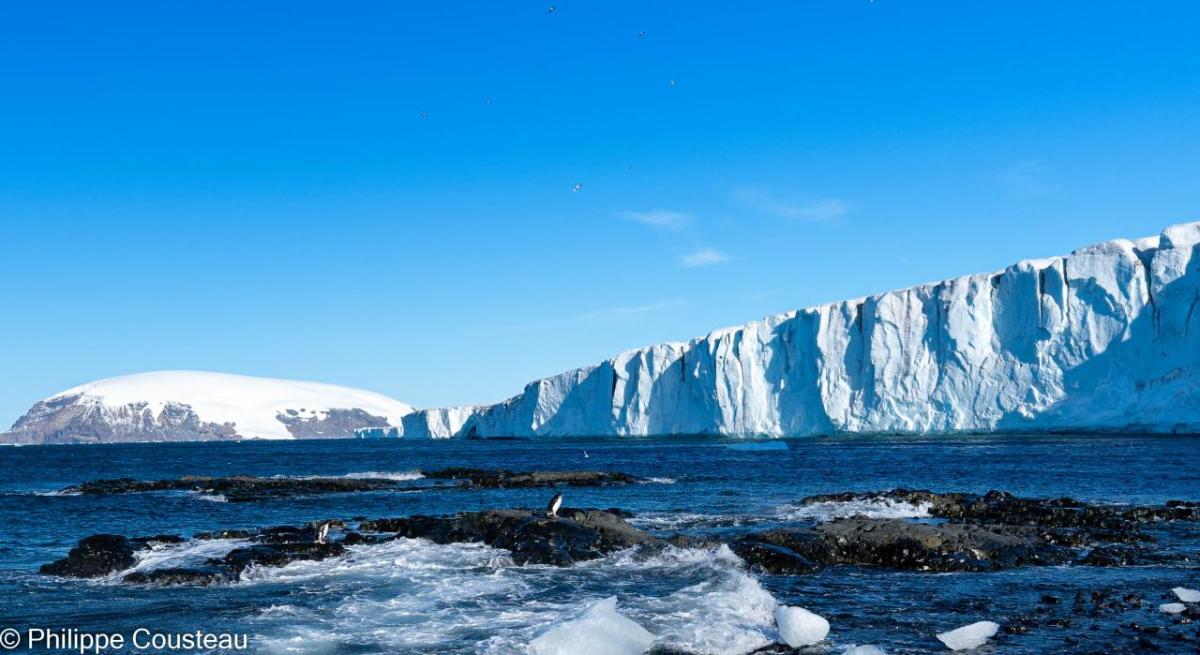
(181, 576)
(239, 488)
(900, 544)
(773, 558)
(358, 538)
(1005, 508)
(95, 556)
(277, 554)
(575, 535)
(504, 479)
(226, 534)
(158, 539)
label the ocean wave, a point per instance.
(873, 508)
(181, 555)
(411, 594)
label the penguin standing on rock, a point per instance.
(552, 508)
(322, 532)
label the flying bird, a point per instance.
(552, 9)
(642, 35)
(577, 188)
(672, 82)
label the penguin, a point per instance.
(322, 532)
(552, 508)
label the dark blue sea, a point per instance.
(410, 596)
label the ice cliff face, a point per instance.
(1104, 339)
(196, 405)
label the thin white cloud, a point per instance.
(703, 257)
(824, 209)
(627, 311)
(1026, 180)
(660, 218)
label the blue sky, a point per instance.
(382, 197)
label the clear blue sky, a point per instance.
(305, 190)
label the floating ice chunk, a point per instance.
(600, 630)
(969, 636)
(1172, 608)
(864, 650)
(800, 627)
(1187, 595)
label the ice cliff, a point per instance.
(1104, 339)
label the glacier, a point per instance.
(1105, 339)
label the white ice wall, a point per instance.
(1104, 339)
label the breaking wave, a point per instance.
(413, 595)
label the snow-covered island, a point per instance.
(1105, 339)
(196, 405)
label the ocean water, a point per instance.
(409, 596)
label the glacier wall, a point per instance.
(1105, 339)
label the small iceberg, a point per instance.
(1187, 595)
(1172, 608)
(800, 627)
(600, 630)
(969, 636)
(864, 650)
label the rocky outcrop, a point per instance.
(992, 531)
(246, 488)
(575, 535)
(1104, 339)
(503, 479)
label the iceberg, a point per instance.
(969, 636)
(1172, 608)
(600, 630)
(1187, 595)
(1104, 339)
(800, 627)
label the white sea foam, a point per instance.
(212, 498)
(399, 476)
(412, 595)
(185, 554)
(58, 492)
(663, 480)
(874, 508)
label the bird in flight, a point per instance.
(578, 187)
(552, 9)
